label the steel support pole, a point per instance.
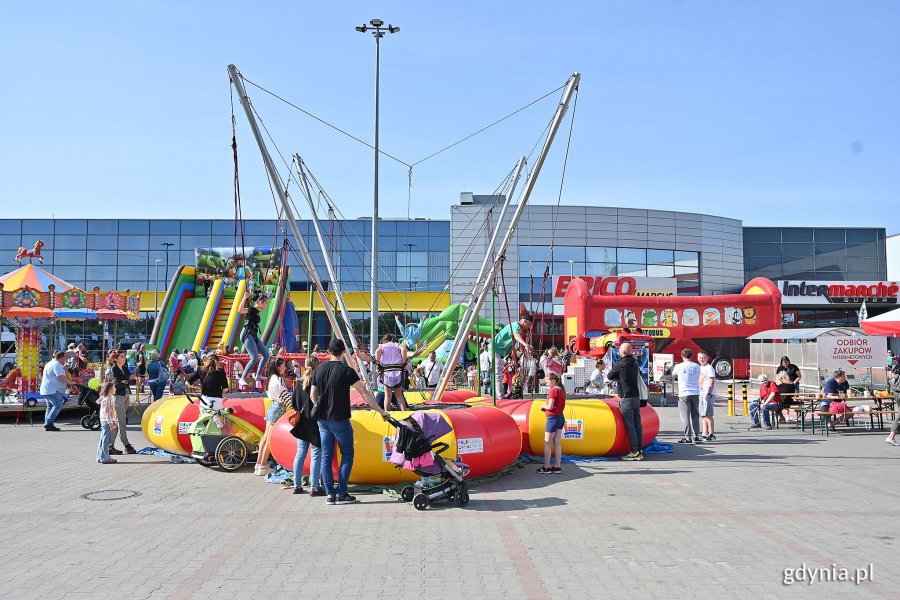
(373, 325)
(289, 213)
(463, 332)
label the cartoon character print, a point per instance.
(711, 316)
(630, 318)
(612, 317)
(669, 318)
(750, 315)
(648, 317)
(690, 317)
(733, 316)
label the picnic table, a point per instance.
(808, 404)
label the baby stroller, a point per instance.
(416, 450)
(90, 399)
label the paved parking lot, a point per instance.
(722, 520)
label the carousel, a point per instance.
(34, 303)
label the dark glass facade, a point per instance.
(815, 253)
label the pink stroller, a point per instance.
(416, 450)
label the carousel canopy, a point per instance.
(75, 314)
(35, 278)
(31, 312)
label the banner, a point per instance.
(803, 293)
(849, 352)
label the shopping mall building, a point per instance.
(427, 264)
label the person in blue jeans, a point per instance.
(54, 382)
(330, 394)
(255, 303)
(157, 375)
(769, 402)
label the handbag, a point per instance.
(643, 391)
(294, 417)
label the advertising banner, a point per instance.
(661, 362)
(819, 293)
(618, 286)
(846, 352)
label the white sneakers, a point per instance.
(261, 470)
(892, 441)
(243, 383)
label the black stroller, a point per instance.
(416, 450)
(90, 399)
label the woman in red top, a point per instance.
(556, 422)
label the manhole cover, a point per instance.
(110, 495)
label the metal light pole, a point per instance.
(376, 26)
(167, 245)
(572, 269)
(156, 292)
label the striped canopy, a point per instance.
(35, 278)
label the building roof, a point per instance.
(809, 333)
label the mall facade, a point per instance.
(424, 265)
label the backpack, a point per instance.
(163, 375)
(643, 391)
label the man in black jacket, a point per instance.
(626, 372)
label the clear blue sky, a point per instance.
(772, 112)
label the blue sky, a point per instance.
(772, 112)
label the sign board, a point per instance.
(851, 352)
(818, 293)
(661, 362)
(619, 286)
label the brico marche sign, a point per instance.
(859, 352)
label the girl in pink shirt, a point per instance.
(108, 422)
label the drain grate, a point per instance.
(105, 495)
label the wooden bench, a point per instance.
(825, 418)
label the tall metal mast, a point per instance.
(489, 251)
(275, 178)
(301, 173)
(466, 327)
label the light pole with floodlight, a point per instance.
(156, 291)
(376, 26)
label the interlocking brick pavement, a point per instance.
(721, 520)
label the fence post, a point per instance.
(744, 398)
(730, 399)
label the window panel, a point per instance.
(764, 250)
(686, 272)
(69, 257)
(102, 242)
(418, 259)
(255, 227)
(134, 242)
(69, 242)
(133, 258)
(42, 227)
(74, 274)
(200, 227)
(71, 226)
(220, 227)
(830, 235)
(197, 241)
(660, 271)
(418, 228)
(684, 258)
(134, 227)
(165, 227)
(387, 227)
(838, 250)
(660, 257)
(439, 275)
(632, 255)
(133, 285)
(600, 269)
(796, 251)
(439, 229)
(438, 259)
(872, 250)
(103, 257)
(567, 253)
(797, 234)
(10, 226)
(103, 226)
(632, 270)
(10, 241)
(764, 234)
(861, 236)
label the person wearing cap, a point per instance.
(304, 346)
(769, 401)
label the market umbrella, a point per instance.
(886, 324)
(31, 312)
(35, 278)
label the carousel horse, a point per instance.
(30, 254)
